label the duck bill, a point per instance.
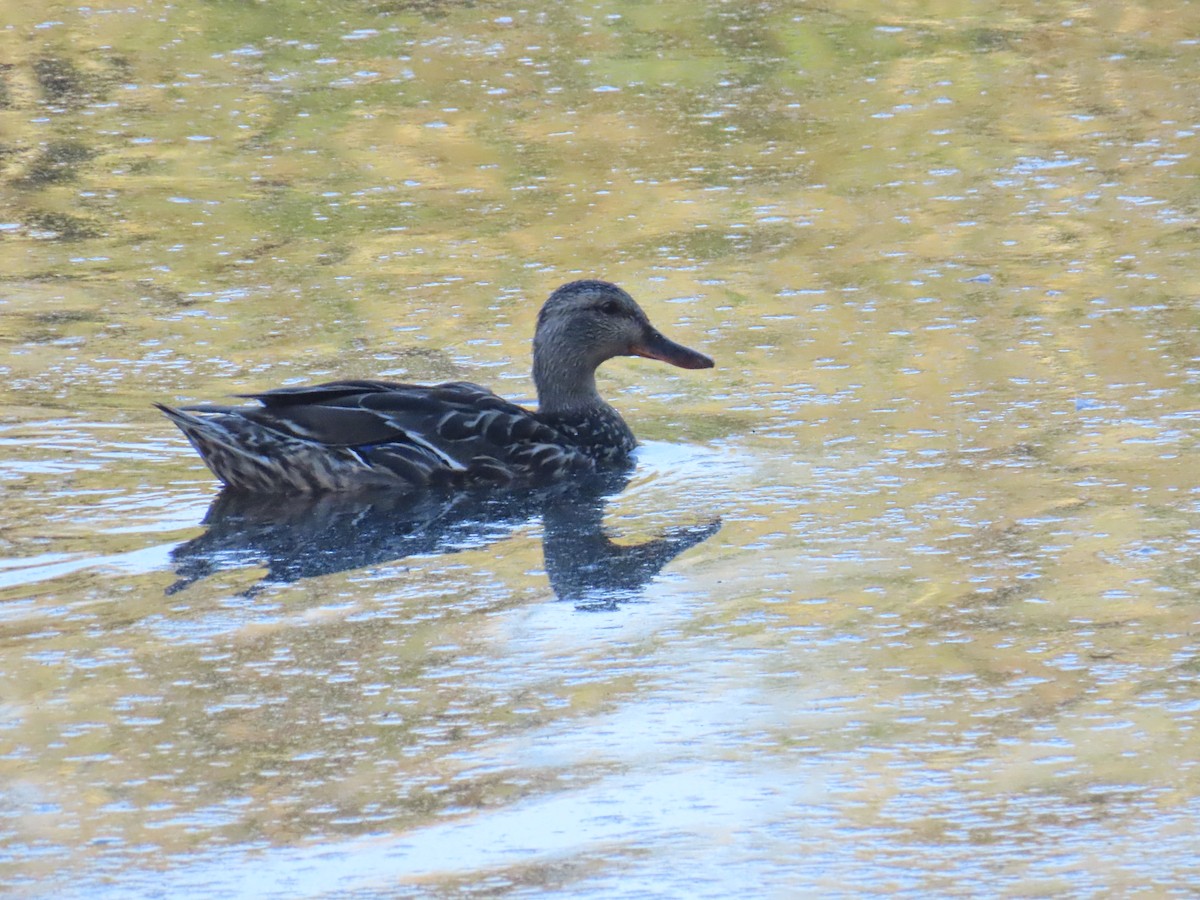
(655, 346)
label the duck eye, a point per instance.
(610, 307)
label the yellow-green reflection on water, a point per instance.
(944, 257)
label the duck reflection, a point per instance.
(308, 536)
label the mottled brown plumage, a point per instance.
(363, 435)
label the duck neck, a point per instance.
(564, 377)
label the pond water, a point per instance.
(901, 597)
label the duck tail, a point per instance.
(226, 456)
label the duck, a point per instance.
(365, 435)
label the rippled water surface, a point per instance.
(901, 598)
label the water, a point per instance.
(900, 598)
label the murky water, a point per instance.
(901, 597)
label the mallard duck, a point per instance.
(367, 435)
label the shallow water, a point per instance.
(925, 615)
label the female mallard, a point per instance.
(354, 435)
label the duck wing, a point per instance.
(328, 392)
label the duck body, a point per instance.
(354, 435)
(348, 436)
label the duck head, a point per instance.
(581, 325)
